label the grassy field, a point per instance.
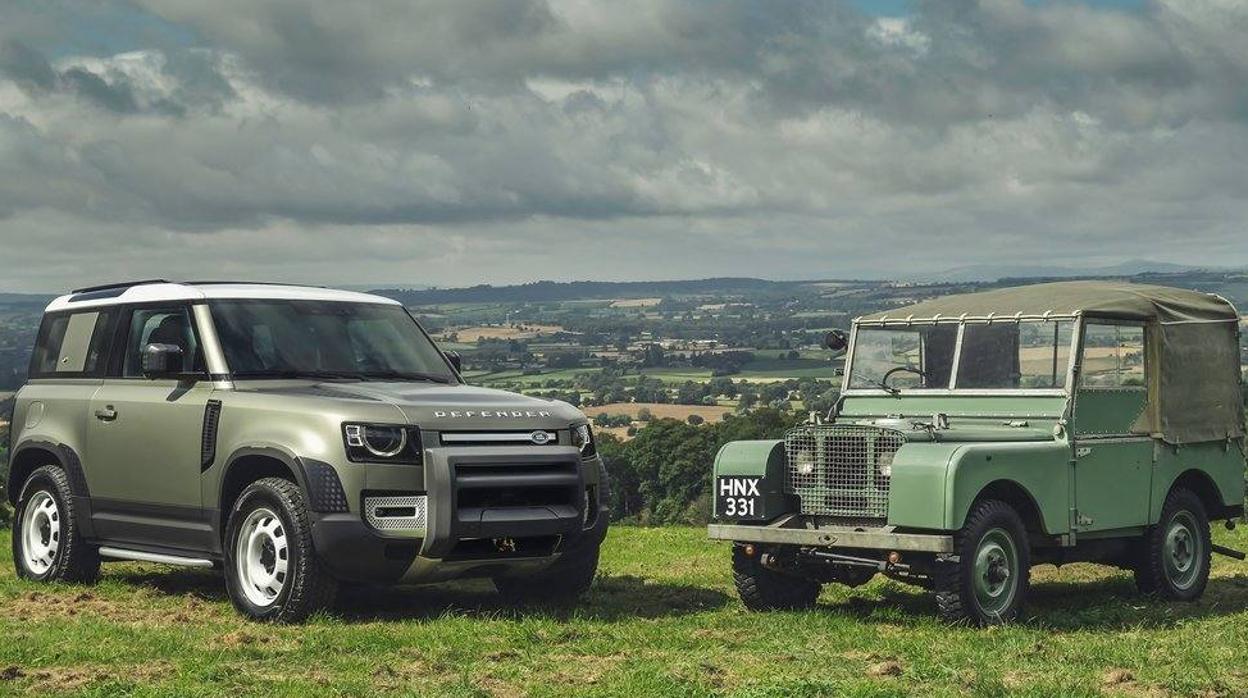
(661, 620)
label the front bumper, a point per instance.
(465, 534)
(794, 530)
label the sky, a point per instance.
(418, 142)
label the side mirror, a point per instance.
(836, 340)
(456, 360)
(162, 361)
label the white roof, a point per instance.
(158, 292)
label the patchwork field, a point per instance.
(470, 335)
(662, 619)
(660, 411)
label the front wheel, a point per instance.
(988, 583)
(765, 589)
(1175, 556)
(271, 570)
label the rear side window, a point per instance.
(1113, 356)
(73, 345)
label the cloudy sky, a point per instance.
(452, 143)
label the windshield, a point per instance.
(996, 356)
(917, 357)
(325, 339)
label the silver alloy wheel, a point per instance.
(41, 532)
(261, 557)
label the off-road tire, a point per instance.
(309, 586)
(75, 560)
(566, 580)
(1152, 574)
(763, 589)
(957, 600)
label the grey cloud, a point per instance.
(517, 139)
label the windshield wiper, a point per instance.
(312, 375)
(405, 376)
(891, 390)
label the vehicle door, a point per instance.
(144, 436)
(1113, 451)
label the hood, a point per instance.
(436, 406)
(966, 430)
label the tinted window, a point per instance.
(171, 325)
(1113, 356)
(263, 338)
(73, 344)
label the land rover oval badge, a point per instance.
(540, 438)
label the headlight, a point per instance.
(389, 443)
(583, 438)
(885, 464)
(804, 463)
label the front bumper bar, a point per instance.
(884, 538)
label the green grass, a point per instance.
(661, 620)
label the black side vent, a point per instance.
(208, 442)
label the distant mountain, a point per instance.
(546, 291)
(995, 272)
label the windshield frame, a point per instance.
(451, 375)
(962, 323)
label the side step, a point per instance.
(140, 556)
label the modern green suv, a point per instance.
(979, 435)
(295, 437)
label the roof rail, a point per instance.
(123, 284)
(220, 282)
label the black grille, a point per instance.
(500, 486)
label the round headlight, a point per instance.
(384, 442)
(885, 464)
(804, 462)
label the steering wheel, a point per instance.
(901, 369)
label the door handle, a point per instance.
(107, 414)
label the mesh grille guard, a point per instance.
(835, 470)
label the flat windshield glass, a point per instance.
(911, 358)
(1015, 355)
(323, 339)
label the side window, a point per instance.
(73, 344)
(1113, 356)
(172, 325)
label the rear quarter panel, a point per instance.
(1222, 461)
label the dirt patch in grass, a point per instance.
(46, 605)
(74, 678)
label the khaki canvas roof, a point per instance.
(1065, 298)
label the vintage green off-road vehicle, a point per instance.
(979, 435)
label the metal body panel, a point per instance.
(1113, 483)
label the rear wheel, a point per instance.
(47, 543)
(989, 582)
(764, 589)
(271, 570)
(1176, 553)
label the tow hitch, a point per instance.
(1221, 550)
